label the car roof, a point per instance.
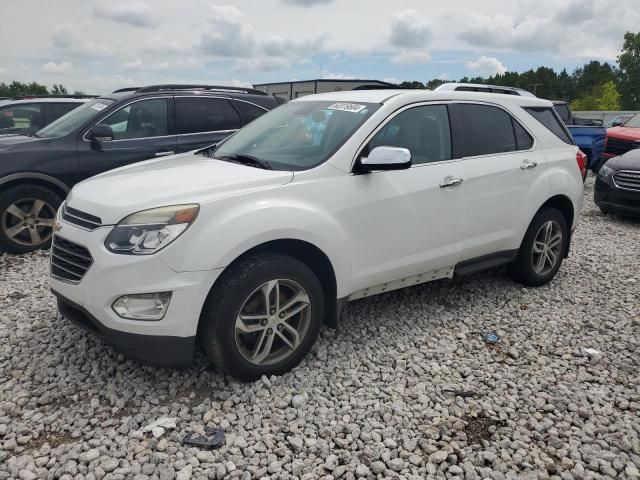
(44, 100)
(411, 96)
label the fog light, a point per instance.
(143, 306)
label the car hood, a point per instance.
(626, 133)
(628, 161)
(175, 180)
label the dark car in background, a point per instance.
(623, 138)
(28, 114)
(127, 126)
(618, 120)
(617, 187)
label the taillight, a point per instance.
(581, 158)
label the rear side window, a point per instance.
(56, 110)
(194, 115)
(547, 117)
(524, 141)
(249, 111)
(27, 116)
(482, 130)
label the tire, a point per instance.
(27, 213)
(241, 289)
(526, 269)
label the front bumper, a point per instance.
(169, 341)
(610, 197)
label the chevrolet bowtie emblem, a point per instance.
(57, 226)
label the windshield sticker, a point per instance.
(99, 106)
(347, 107)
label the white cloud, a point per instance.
(410, 58)
(486, 66)
(392, 80)
(307, 3)
(133, 64)
(67, 38)
(408, 30)
(260, 64)
(62, 68)
(443, 76)
(136, 14)
(163, 46)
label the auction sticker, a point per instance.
(99, 106)
(347, 107)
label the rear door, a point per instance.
(140, 132)
(502, 177)
(203, 121)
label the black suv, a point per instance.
(129, 125)
(30, 113)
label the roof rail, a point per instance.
(479, 87)
(221, 88)
(126, 89)
(26, 97)
(385, 87)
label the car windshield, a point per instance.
(74, 119)
(297, 135)
(633, 122)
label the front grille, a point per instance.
(617, 146)
(82, 219)
(69, 260)
(629, 180)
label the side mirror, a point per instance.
(101, 133)
(386, 158)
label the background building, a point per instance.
(291, 90)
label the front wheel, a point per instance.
(542, 250)
(27, 213)
(262, 316)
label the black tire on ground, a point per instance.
(217, 332)
(523, 270)
(22, 195)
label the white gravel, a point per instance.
(369, 401)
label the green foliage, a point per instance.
(601, 97)
(629, 61)
(58, 90)
(15, 89)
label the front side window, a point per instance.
(424, 131)
(483, 130)
(23, 116)
(297, 135)
(75, 119)
(195, 115)
(143, 119)
(549, 118)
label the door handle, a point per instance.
(528, 164)
(164, 154)
(450, 181)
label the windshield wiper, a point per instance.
(245, 159)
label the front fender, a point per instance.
(235, 228)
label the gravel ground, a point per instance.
(371, 400)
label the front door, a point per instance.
(140, 132)
(408, 222)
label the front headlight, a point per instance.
(606, 171)
(149, 231)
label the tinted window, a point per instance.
(195, 115)
(56, 110)
(524, 141)
(75, 118)
(147, 118)
(483, 130)
(249, 111)
(27, 116)
(563, 111)
(547, 117)
(424, 131)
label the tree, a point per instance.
(15, 89)
(602, 97)
(58, 90)
(629, 61)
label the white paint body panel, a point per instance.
(380, 231)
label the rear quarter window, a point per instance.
(549, 118)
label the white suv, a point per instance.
(251, 245)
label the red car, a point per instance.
(623, 138)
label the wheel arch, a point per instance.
(563, 204)
(34, 178)
(312, 256)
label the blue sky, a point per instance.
(98, 46)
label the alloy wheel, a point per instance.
(29, 222)
(272, 322)
(547, 248)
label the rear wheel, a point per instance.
(542, 249)
(262, 316)
(27, 213)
